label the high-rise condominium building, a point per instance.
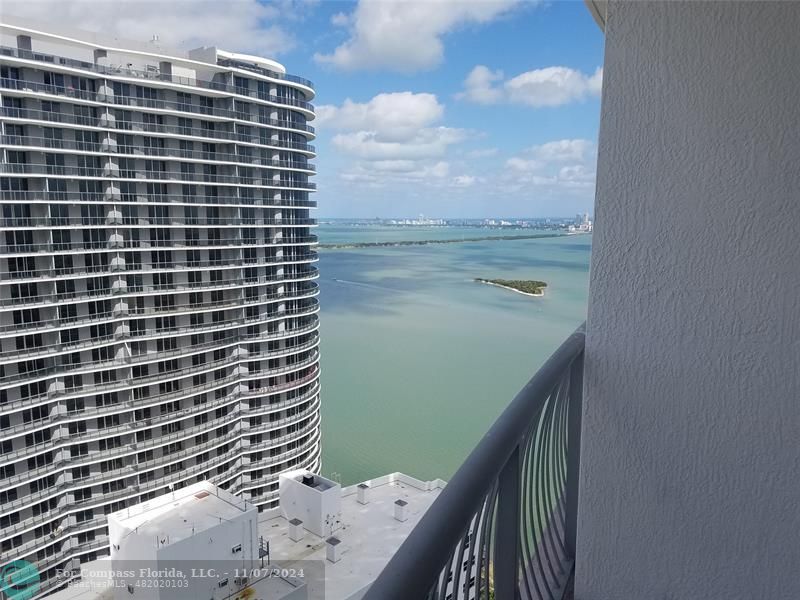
(158, 310)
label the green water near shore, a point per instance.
(417, 358)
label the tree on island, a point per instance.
(530, 286)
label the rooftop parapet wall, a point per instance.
(91, 47)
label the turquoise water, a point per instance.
(338, 234)
(418, 359)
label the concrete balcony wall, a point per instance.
(690, 461)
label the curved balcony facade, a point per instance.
(158, 303)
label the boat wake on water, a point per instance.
(361, 284)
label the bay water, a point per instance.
(417, 358)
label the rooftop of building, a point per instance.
(179, 514)
(368, 535)
(80, 45)
(65, 36)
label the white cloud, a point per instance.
(563, 150)
(550, 86)
(553, 168)
(427, 143)
(577, 176)
(553, 86)
(393, 137)
(483, 153)
(394, 166)
(241, 25)
(410, 167)
(340, 20)
(407, 36)
(465, 181)
(522, 165)
(395, 116)
(549, 154)
(440, 169)
(397, 126)
(359, 175)
(383, 173)
(479, 86)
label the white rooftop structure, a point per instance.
(369, 534)
(374, 518)
(313, 500)
(182, 513)
(206, 534)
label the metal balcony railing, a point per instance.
(137, 102)
(95, 122)
(504, 527)
(239, 64)
(263, 180)
(133, 312)
(172, 244)
(109, 270)
(138, 151)
(14, 196)
(122, 384)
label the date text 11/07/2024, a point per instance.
(254, 573)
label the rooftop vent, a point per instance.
(363, 490)
(295, 530)
(333, 549)
(400, 512)
(201, 495)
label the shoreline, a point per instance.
(506, 287)
(351, 245)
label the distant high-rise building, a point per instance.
(583, 224)
(158, 310)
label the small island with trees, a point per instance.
(521, 286)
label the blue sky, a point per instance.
(469, 108)
(526, 38)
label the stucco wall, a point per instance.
(690, 480)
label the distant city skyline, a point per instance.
(565, 217)
(464, 109)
